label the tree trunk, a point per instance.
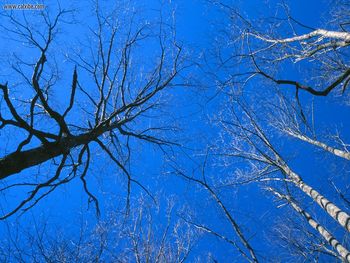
(17, 161)
(334, 211)
(342, 251)
(337, 152)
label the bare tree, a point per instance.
(261, 59)
(258, 45)
(112, 91)
(138, 237)
(336, 245)
(243, 246)
(296, 241)
(265, 165)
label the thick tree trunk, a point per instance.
(17, 161)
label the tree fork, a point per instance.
(19, 160)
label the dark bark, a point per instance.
(19, 160)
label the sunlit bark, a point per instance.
(343, 252)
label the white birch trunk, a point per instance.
(340, 216)
(342, 251)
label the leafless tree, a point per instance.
(254, 70)
(297, 242)
(265, 165)
(342, 251)
(243, 246)
(51, 119)
(140, 237)
(262, 47)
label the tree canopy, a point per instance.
(173, 132)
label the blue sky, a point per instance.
(196, 25)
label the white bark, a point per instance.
(342, 251)
(335, 212)
(335, 151)
(316, 33)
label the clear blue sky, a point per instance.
(195, 22)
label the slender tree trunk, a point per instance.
(337, 152)
(334, 211)
(316, 33)
(342, 251)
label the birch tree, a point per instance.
(297, 240)
(266, 166)
(270, 72)
(262, 47)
